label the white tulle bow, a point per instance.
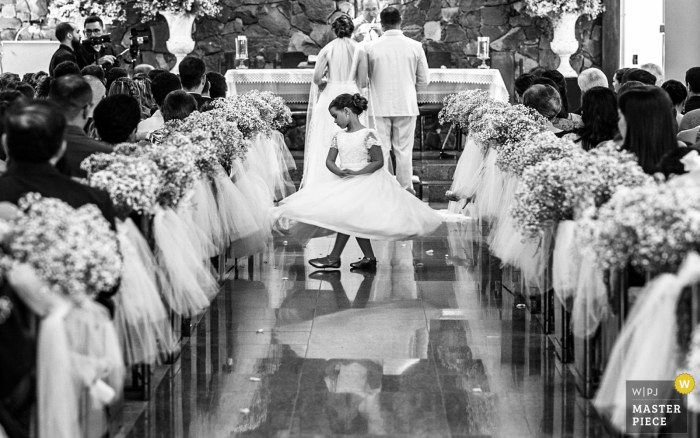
(691, 161)
(646, 348)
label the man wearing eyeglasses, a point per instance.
(99, 54)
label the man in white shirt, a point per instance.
(394, 67)
(162, 84)
(367, 26)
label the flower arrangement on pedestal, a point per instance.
(563, 14)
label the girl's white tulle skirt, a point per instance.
(372, 206)
(468, 170)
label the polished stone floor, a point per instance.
(428, 346)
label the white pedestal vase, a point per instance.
(180, 43)
(564, 43)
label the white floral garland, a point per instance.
(552, 8)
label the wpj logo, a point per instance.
(655, 406)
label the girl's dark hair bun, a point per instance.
(343, 27)
(359, 102)
(355, 102)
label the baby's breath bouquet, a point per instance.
(561, 189)
(199, 143)
(177, 166)
(541, 198)
(651, 226)
(499, 127)
(227, 140)
(74, 250)
(514, 158)
(273, 109)
(457, 108)
(178, 169)
(133, 183)
(244, 112)
(551, 8)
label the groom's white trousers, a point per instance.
(397, 133)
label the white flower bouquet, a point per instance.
(558, 190)
(228, 141)
(133, 183)
(652, 227)
(272, 107)
(242, 111)
(178, 168)
(498, 127)
(550, 8)
(514, 158)
(458, 108)
(74, 250)
(200, 144)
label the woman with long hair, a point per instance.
(646, 125)
(334, 75)
(599, 115)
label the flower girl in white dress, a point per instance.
(358, 198)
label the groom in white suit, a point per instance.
(393, 67)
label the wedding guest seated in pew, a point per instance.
(217, 85)
(33, 138)
(564, 121)
(192, 75)
(589, 78)
(646, 124)
(628, 86)
(94, 70)
(599, 117)
(678, 94)
(617, 78)
(161, 86)
(178, 105)
(522, 84)
(637, 74)
(66, 68)
(656, 70)
(545, 100)
(23, 87)
(74, 94)
(98, 93)
(116, 118)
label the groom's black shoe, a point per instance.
(325, 262)
(365, 263)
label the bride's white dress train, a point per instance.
(338, 58)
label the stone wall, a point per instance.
(275, 26)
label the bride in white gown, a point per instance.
(337, 59)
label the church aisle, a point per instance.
(424, 347)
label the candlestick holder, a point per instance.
(241, 51)
(482, 50)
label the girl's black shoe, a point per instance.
(325, 262)
(365, 263)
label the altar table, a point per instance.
(294, 84)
